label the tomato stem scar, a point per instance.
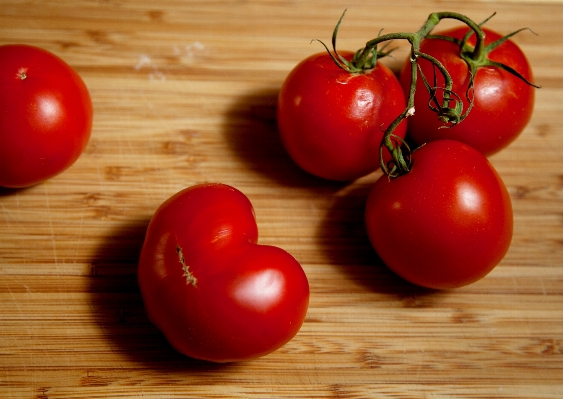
(22, 74)
(190, 278)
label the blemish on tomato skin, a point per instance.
(22, 74)
(344, 80)
(190, 278)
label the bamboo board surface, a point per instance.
(184, 92)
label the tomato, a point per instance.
(502, 102)
(331, 121)
(45, 115)
(213, 291)
(444, 224)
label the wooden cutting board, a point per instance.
(184, 92)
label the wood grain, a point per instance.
(185, 92)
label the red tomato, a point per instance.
(331, 121)
(447, 222)
(45, 115)
(209, 287)
(503, 103)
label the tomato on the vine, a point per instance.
(331, 120)
(213, 291)
(444, 224)
(45, 115)
(502, 101)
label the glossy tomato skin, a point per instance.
(503, 103)
(45, 115)
(446, 223)
(331, 121)
(213, 291)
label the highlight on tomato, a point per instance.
(45, 115)
(213, 291)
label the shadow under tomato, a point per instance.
(8, 191)
(344, 239)
(118, 306)
(250, 129)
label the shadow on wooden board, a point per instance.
(7, 191)
(343, 238)
(118, 306)
(250, 129)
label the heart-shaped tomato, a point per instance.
(209, 287)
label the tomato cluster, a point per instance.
(440, 216)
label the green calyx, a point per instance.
(360, 63)
(478, 56)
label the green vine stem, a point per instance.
(450, 111)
